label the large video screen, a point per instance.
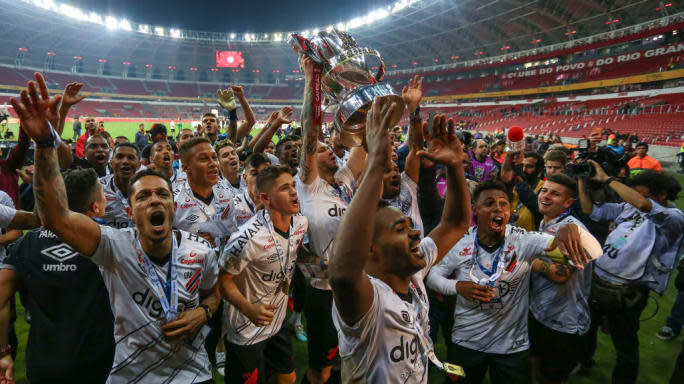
(229, 59)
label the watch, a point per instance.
(206, 310)
(610, 180)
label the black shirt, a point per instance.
(72, 328)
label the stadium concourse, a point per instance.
(185, 204)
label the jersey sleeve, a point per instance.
(209, 271)
(437, 279)
(359, 332)
(661, 216)
(235, 256)
(274, 160)
(7, 210)
(110, 250)
(607, 211)
(14, 255)
(533, 244)
(429, 249)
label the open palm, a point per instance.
(33, 110)
(445, 147)
(71, 96)
(413, 93)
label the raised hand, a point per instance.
(283, 116)
(307, 66)
(33, 111)
(238, 91)
(413, 93)
(71, 96)
(378, 123)
(226, 98)
(445, 147)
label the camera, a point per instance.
(610, 161)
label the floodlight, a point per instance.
(46, 4)
(125, 25)
(278, 36)
(232, 35)
(355, 23)
(111, 22)
(381, 14)
(95, 18)
(175, 33)
(159, 31)
(143, 28)
(247, 37)
(265, 36)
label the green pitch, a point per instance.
(656, 357)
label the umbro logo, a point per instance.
(60, 252)
(192, 218)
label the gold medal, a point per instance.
(285, 286)
(454, 369)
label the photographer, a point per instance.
(640, 256)
(525, 181)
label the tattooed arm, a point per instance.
(558, 273)
(75, 229)
(308, 170)
(238, 132)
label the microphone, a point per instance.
(516, 139)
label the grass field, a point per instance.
(657, 357)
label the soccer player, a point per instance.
(287, 151)
(559, 296)
(202, 204)
(183, 135)
(125, 164)
(324, 192)
(229, 164)
(247, 203)
(96, 155)
(161, 159)
(159, 331)
(378, 264)
(257, 269)
(401, 189)
(492, 265)
(71, 334)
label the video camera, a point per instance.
(610, 161)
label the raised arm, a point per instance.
(412, 94)
(357, 161)
(507, 168)
(446, 149)
(628, 194)
(75, 229)
(246, 126)
(70, 97)
(308, 171)
(276, 120)
(351, 287)
(584, 197)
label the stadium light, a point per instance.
(143, 28)
(278, 36)
(355, 23)
(175, 33)
(159, 31)
(111, 22)
(265, 36)
(95, 18)
(248, 37)
(125, 25)
(45, 4)
(73, 12)
(232, 35)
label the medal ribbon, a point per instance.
(497, 264)
(167, 295)
(279, 249)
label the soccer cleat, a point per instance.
(666, 333)
(221, 363)
(299, 332)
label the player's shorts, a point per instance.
(320, 330)
(556, 352)
(250, 363)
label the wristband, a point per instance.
(610, 180)
(54, 141)
(414, 116)
(232, 115)
(206, 310)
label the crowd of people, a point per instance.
(158, 259)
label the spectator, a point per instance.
(141, 138)
(77, 128)
(642, 161)
(91, 128)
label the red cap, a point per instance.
(515, 133)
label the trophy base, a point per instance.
(350, 119)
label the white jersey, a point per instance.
(274, 159)
(500, 325)
(384, 346)
(323, 205)
(115, 213)
(143, 354)
(242, 209)
(342, 161)
(260, 268)
(181, 177)
(194, 216)
(7, 213)
(225, 184)
(562, 307)
(407, 201)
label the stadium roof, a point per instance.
(418, 33)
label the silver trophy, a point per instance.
(348, 85)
